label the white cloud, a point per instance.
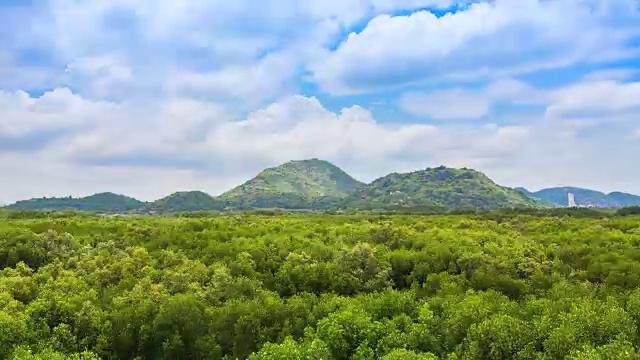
(618, 74)
(149, 151)
(591, 98)
(227, 49)
(197, 137)
(446, 104)
(100, 73)
(595, 98)
(147, 136)
(300, 127)
(264, 80)
(55, 110)
(498, 39)
(468, 104)
(243, 51)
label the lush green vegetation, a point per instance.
(106, 202)
(499, 285)
(438, 187)
(584, 197)
(184, 201)
(295, 185)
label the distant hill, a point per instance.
(583, 197)
(438, 187)
(103, 202)
(185, 201)
(542, 200)
(319, 185)
(299, 184)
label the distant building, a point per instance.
(572, 200)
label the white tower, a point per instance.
(572, 200)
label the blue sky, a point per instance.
(150, 97)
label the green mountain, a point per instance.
(316, 184)
(299, 184)
(103, 202)
(584, 197)
(185, 201)
(440, 187)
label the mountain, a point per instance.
(623, 199)
(185, 201)
(103, 202)
(523, 191)
(542, 201)
(438, 187)
(583, 197)
(298, 184)
(317, 184)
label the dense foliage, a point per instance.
(501, 285)
(584, 197)
(441, 187)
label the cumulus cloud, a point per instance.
(487, 39)
(595, 98)
(268, 78)
(199, 137)
(236, 49)
(598, 95)
(189, 144)
(59, 109)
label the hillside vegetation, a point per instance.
(438, 187)
(319, 185)
(107, 202)
(296, 184)
(485, 286)
(185, 201)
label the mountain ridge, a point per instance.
(438, 187)
(315, 184)
(558, 196)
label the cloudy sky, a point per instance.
(149, 97)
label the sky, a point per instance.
(150, 97)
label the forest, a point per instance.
(262, 286)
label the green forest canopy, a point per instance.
(475, 286)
